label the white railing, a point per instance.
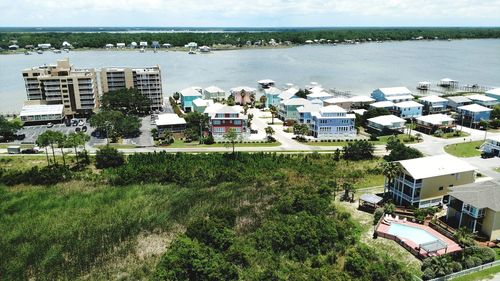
(467, 271)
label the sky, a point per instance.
(249, 13)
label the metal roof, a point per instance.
(435, 166)
(169, 119)
(42, 109)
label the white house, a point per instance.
(120, 45)
(109, 46)
(214, 92)
(143, 44)
(191, 45)
(42, 113)
(394, 94)
(386, 122)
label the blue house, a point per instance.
(434, 104)
(475, 112)
(483, 100)
(272, 95)
(332, 122)
(187, 96)
(394, 94)
(408, 109)
(305, 113)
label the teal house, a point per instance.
(187, 97)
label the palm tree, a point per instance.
(390, 170)
(263, 100)
(269, 132)
(249, 120)
(49, 138)
(243, 95)
(273, 111)
(464, 237)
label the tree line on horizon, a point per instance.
(99, 40)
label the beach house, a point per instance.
(319, 95)
(492, 146)
(484, 100)
(423, 182)
(170, 122)
(474, 113)
(408, 109)
(476, 206)
(433, 122)
(455, 102)
(242, 95)
(187, 97)
(332, 122)
(288, 108)
(360, 101)
(345, 103)
(394, 94)
(224, 118)
(272, 95)
(434, 104)
(214, 92)
(387, 124)
(199, 105)
(389, 105)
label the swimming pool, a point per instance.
(417, 235)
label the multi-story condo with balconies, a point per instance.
(423, 182)
(75, 88)
(146, 80)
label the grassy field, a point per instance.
(466, 149)
(486, 274)
(381, 140)
(181, 144)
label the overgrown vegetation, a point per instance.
(248, 217)
(454, 262)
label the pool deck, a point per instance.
(383, 231)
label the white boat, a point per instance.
(192, 52)
(142, 50)
(57, 51)
(39, 52)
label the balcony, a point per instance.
(405, 196)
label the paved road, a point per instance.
(435, 146)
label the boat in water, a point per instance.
(57, 51)
(39, 52)
(27, 53)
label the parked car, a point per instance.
(81, 123)
(50, 125)
(68, 123)
(77, 129)
(84, 128)
(29, 151)
(74, 122)
(20, 137)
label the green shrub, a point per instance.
(428, 274)
(456, 266)
(379, 212)
(108, 157)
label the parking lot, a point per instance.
(32, 132)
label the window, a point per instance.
(441, 188)
(216, 122)
(237, 122)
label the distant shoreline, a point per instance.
(240, 38)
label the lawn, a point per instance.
(451, 135)
(181, 144)
(465, 149)
(381, 140)
(486, 274)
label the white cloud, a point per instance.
(244, 12)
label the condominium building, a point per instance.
(423, 182)
(63, 84)
(146, 80)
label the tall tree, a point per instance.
(49, 138)
(8, 129)
(127, 101)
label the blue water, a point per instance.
(417, 235)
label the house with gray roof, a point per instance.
(476, 206)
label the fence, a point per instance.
(467, 271)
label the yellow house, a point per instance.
(424, 181)
(477, 207)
